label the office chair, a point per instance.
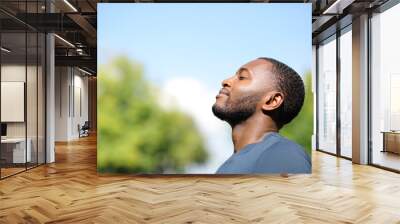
(84, 130)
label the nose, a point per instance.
(227, 82)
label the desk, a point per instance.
(17, 150)
(391, 141)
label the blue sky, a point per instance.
(188, 49)
(209, 41)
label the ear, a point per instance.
(273, 100)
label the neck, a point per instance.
(251, 131)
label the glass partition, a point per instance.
(31, 100)
(41, 85)
(327, 95)
(33, 73)
(14, 153)
(22, 88)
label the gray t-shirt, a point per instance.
(274, 154)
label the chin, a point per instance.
(215, 105)
(219, 103)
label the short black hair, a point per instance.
(289, 82)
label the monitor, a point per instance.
(3, 129)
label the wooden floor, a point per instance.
(387, 159)
(70, 191)
(10, 171)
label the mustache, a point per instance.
(224, 91)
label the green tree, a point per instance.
(300, 129)
(136, 135)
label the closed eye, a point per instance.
(242, 74)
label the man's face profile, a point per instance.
(261, 97)
(244, 93)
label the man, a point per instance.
(263, 96)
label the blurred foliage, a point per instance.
(300, 129)
(136, 135)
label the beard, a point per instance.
(237, 111)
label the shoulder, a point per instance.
(284, 156)
(292, 147)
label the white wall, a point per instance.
(81, 100)
(17, 73)
(62, 81)
(14, 73)
(71, 93)
(33, 126)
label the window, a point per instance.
(327, 96)
(385, 88)
(346, 93)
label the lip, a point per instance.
(224, 92)
(220, 95)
